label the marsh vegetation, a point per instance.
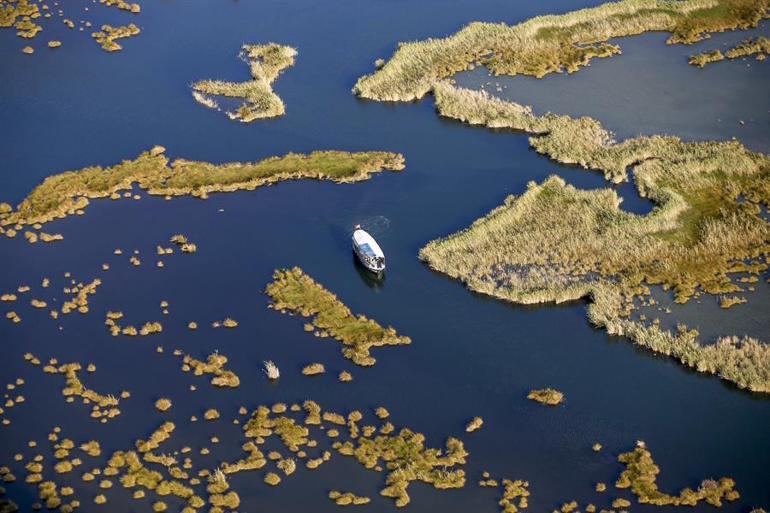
(294, 291)
(550, 44)
(547, 396)
(641, 473)
(555, 243)
(68, 193)
(265, 62)
(759, 48)
(28, 17)
(107, 36)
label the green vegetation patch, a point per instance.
(68, 193)
(550, 44)
(547, 396)
(266, 62)
(294, 291)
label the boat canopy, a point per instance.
(367, 245)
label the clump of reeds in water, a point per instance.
(293, 290)
(104, 407)
(402, 452)
(641, 473)
(266, 62)
(163, 404)
(313, 369)
(759, 47)
(107, 36)
(69, 193)
(214, 366)
(547, 396)
(474, 425)
(271, 370)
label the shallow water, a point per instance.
(470, 355)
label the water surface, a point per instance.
(470, 355)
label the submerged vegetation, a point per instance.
(641, 474)
(556, 243)
(266, 62)
(294, 291)
(759, 47)
(550, 44)
(68, 193)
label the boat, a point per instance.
(368, 251)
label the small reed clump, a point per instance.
(163, 404)
(474, 425)
(214, 366)
(271, 370)
(107, 36)
(348, 498)
(547, 396)
(313, 369)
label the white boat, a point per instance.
(368, 251)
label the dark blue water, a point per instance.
(470, 355)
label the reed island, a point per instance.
(294, 291)
(265, 62)
(69, 193)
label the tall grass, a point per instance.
(66, 193)
(760, 47)
(555, 243)
(266, 62)
(107, 36)
(292, 290)
(641, 474)
(550, 44)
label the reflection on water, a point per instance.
(372, 280)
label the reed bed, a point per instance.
(759, 47)
(641, 473)
(294, 291)
(555, 243)
(68, 193)
(401, 452)
(107, 36)
(213, 366)
(266, 62)
(550, 44)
